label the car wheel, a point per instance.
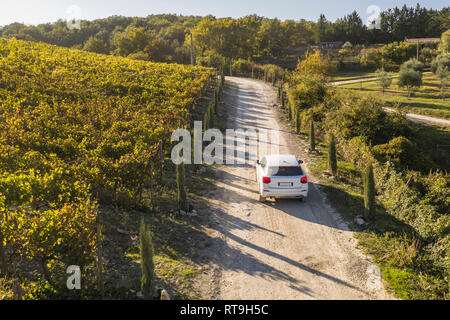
(303, 199)
(262, 199)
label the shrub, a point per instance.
(426, 56)
(242, 66)
(272, 71)
(442, 60)
(307, 91)
(315, 64)
(444, 45)
(212, 59)
(403, 154)
(140, 55)
(97, 45)
(434, 188)
(398, 53)
(347, 45)
(356, 151)
(371, 58)
(407, 205)
(413, 64)
(441, 67)
(352, 115)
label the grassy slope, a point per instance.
(426, 100)
(388, 240)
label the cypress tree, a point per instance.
(312, 137)
(148, 278)
(181, 191)
(369, 192)
(289, 110)
(212, 107)
(332, 161)
(3, 265)
(211, 116)
(298, 121)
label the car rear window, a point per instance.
(285, 171)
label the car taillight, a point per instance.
(303, 180)
(266, 180)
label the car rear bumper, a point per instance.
(285, 193)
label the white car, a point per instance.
(281, 176)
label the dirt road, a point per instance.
(337, 83)
(423, 119)
(284, 249)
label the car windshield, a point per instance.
(285, 171)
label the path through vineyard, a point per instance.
(282, 250)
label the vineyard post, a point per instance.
(99, 258)
(3, 266)
(146, 250)
(161, 159)
(116, 208)
(312, 137)
(192, 49)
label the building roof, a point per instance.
(282, 160)
(332, 42)
(422, 40)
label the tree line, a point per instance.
(166, 38)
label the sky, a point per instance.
(43, 11)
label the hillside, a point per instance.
(165, 37)
(78, 129)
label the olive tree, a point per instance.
(384, 79)
(410, 76)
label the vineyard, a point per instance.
(79, 129)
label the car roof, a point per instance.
(282, 160)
